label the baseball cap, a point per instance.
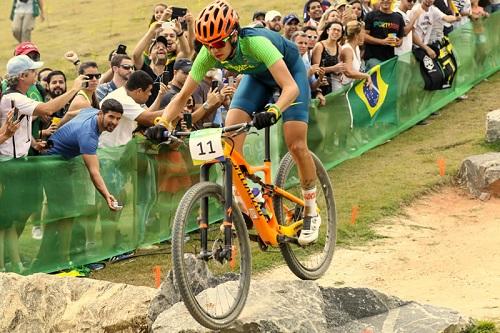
(160, 39)
(257, 14)
(21, 63)
(183, 64)
(290, 18)
(25, 48)
(340, 4)
(271, 15)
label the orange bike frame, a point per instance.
(268, 230)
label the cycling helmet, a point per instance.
(216, 22)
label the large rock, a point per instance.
(493, 126)
(46, 303)
(481, 174)
(303, 306)
(168, 295)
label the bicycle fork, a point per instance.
(220, 254)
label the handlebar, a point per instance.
(233, 128)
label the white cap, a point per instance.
(270, 15)
(21, 63)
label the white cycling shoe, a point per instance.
(310, 230)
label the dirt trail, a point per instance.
(445, 251)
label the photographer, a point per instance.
(163, 51)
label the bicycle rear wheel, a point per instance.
(308, 262)
(214, 291)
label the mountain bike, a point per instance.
(211, 235)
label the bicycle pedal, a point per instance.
(285, 239)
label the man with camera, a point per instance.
(164, 49)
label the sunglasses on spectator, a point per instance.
(312, 37)
(127, 67)
(220, 43)
(96, 76)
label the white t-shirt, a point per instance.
(22, 137)
(24, 7)
(423, 25)
(122, 134)
(356, 62)
(407, 40)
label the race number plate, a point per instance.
(206, 145)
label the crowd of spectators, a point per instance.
(108, 104)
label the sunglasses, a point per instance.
(93, 76)
(312, 37)
(127, 67)
(220, 43)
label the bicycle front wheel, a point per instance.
(307, 262)
(214, 289)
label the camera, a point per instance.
(122, 49)
(188, 119)
(215, 85)
(178, 12)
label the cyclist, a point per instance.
(269, 62)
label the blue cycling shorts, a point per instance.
(254, 93)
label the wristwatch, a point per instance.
(206, 107)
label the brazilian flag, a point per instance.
(377, 104)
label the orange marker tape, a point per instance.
(442, 166)
(157, 275)
(354, 214)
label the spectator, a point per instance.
(384, 32)
(182, 67)
(81, 136)
(300, 39)
(132, 96)
(162, 54)
(314, 11)
(326, 54)
(42, 77)
(312, 39)
(86, 97)
(447, 7)
(464, 10)
(159, 11)
(330, 15)
(122, 67)
(427, 14)
(357, 8)
(406, 44)
(351, 54)
(207, 100)
(290, 25)
(273, 20)
(23, 15)
(56, 87)
(21, 75)
(258, 19)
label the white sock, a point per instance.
(309, 201)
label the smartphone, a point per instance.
(168, 25)
(49, 144)
(178, 12)
(122, 49)
(215, 85)
(85, 85)
(230, 81)
(188, 119)
(15, 116)
(117, 205)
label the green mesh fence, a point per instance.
(58, 196)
